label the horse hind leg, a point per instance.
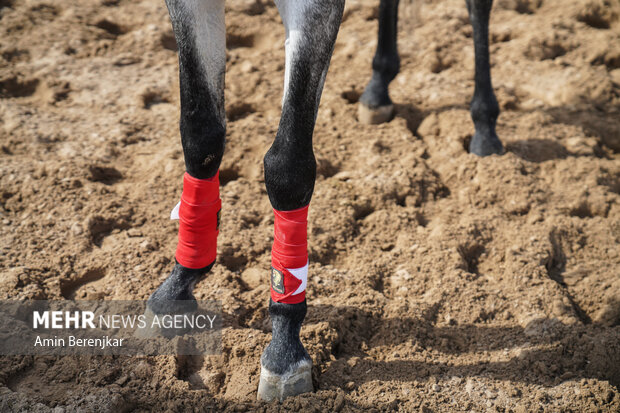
(375, 104)
(484, 107)
(290, 172)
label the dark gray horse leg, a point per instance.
(375, 103)
(290, 171)
(201, 39)
(484, 107)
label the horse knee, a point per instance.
(203, 147)
(289, 176)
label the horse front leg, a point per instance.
(484, 107)
(290, 171)
(201, 39)
(375, 104)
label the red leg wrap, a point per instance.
(198, 221)
(289, 256)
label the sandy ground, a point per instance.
(439, 281)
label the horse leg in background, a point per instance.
(200, 34)
(375, 104)
(484, 107)
(290, 171)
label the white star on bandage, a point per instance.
(302, 275)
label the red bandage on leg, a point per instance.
(289, 256)
(198, 221)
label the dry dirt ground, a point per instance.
(439, 281)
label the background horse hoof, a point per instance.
(280, 386)
(374, 116)
(486, 145)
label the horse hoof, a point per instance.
(485, 145)
(280, 386)
(374, 116)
